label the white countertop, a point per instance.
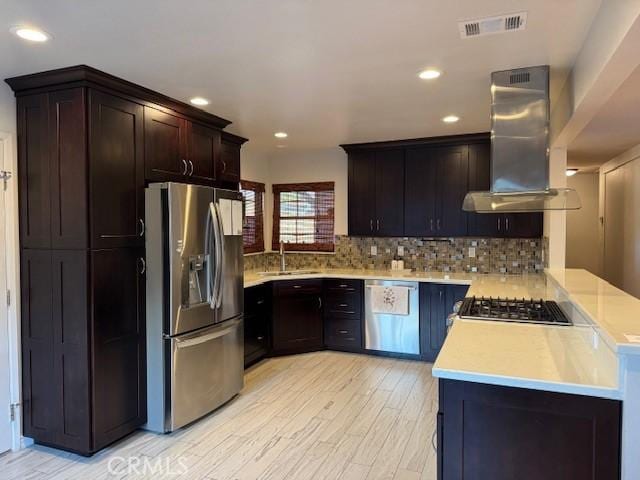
(554, 358)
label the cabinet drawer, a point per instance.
(343, 285)
(256, 300)
(297, 287)
(343, 305)
(343, 333)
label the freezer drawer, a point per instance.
(206, 370)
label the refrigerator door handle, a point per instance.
(219, 233)
(208, 245)
(190, 342)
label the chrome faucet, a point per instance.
(283, 263)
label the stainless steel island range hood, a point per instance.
(520, 147)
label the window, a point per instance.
(252, 229)
(303, 216)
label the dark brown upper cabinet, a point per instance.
(52, 169)
(204, 151)
(165, 137)
(376, 186)
(116, 140)
(436, 183)
(496, 225)
(229, 165)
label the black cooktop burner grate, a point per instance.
(513, 310)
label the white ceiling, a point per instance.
(325, 71)
(612, 131)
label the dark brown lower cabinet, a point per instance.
(297, 316)
(82, 347)
(436, 303)
(343, 306)
(257, 302)
(489, 432)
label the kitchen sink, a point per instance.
(287, 272)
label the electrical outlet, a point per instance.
(400, 250)
(472, 252)
(374, 250)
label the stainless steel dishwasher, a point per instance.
(390, 332)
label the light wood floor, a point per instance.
(325, 415)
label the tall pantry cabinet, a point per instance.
(81, 174)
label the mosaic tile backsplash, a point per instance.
(492, 255)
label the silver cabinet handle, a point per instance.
(431, 223)
(378, 225)
(191, 165)
(185, 167)
(433, 441)
(498, 223)
(297, 286)
(440, 294)
(343, 305)
(259, 302)
(438, 224)
(260, 338)
(343, 331)
(141, 227)
(319, 302)
(371, 224)
(224, 166)
(506, 223)
(143, 265)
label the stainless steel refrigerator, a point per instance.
(194, 270)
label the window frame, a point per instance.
(302, 187)
(259, 190)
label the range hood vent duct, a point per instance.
(520, 147)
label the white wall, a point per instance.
(583, 226)
(320, 165)
(555, 221)
(7, 110)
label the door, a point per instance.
(452, 170)
(119, 353)
(5, 370)
(117, 171)
(362, 186)
(389, 197)
(229, 259)
(206, 370)
(482, 224)
(204, 153)
(420, 194)
(297, 316)
(230, 162)
(164, 140)
(614, 227)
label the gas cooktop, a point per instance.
(513, 310)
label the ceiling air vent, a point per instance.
(490, 25)
(520, 77)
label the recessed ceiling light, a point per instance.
(199, 101)
(31, 34)
(280, 135)
(429, 74)
(450, 119)
(571, 172)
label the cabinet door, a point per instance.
(204, 153)
(117, 171)
(68, 154)
(523, 225)
(297, 316)
(433, 327)
(362, 191)
(164, 141)
(119, 358)
(482, 224)
(505, 433)
(256, 323)
(452, 171)
(389, 198)
(55, 372)
(229, 170)
(420, 194)
(34, 173)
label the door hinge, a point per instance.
(5, 176)
(12, 411)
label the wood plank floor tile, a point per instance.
(322, 416)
